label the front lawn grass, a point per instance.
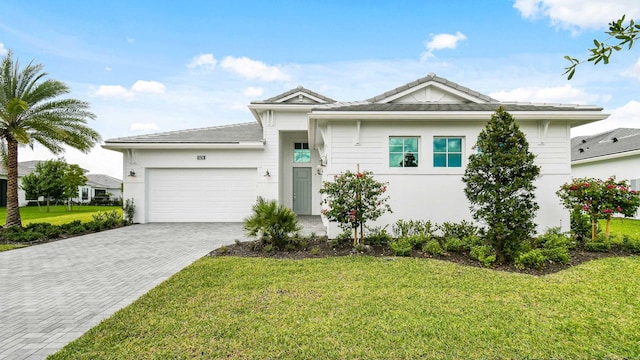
(7, 247)
(622, 226)
(58, 214)
(360, 307)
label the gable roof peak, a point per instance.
(432, 78)
(297, 95)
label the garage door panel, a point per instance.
(200, 195)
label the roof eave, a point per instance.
(575, 117)
(606, 157)
(248, 145)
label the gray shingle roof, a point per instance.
(453, 107)
(607, 143)
(276, 99)
(103, 181)
(24, 167)
(225, 134)
(431, 77)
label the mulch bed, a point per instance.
(325, 249)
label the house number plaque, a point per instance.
(201, 157)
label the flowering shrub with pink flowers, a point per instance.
(352, 199)
(599, 199)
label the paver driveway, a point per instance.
(51, 294)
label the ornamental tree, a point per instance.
(352, 199)
(499, 185)
(599, 199)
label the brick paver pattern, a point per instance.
(51, 294)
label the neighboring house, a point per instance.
(100, 186)
(611, 153)
(301, 138)
(24, 168)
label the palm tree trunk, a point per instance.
(13, 207)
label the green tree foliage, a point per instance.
(272, 221)
(499, 185)
(31, 112)
(73, 178)
(352, 199)
(600, 199)
(622, 34)
(54, 180)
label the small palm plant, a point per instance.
(271, 221)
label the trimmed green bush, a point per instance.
(531, 259)
(484, 254)
(453, 244)
(377, 235)
(432, 247)
(401, 247)
(631, 245)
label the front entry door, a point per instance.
(302, 190)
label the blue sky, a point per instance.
(154, 66)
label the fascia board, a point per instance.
(606, 157)
(183, 146)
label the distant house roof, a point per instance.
(227, 134)
(24, 167)
(610, 142)
(453, 107)
(103, 181)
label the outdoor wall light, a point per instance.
(319, 170)
(132, 173)
(266, 174)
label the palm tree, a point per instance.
(30, 113)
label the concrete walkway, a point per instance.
(51, 294)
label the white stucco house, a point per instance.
(99, 186)
(24, 168)
(299, 138)
(611, 153)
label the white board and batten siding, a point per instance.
(200, 194)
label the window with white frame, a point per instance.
(447, 152)
(403, 151)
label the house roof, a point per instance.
(225, 134)
(453, 107)
(618, 141)
(297, 96)
(431, 77)
(103, 181)
(24, 167)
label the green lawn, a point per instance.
(622, 226)
(57, 214)
(372, 308)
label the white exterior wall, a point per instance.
(436, 194)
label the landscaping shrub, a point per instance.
(453, 244)
(630, 244)
(417, 241)
(403, 228)
(554, 245)
(129, 211)
(342, 240)
(401, 247)
(484, 254)
(471, 241)
(458, 230)
(377, 235)
(432, 247)
(580, 226)
(597, 246)
(272, 221)
(531, 259)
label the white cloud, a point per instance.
(578, 14)
(625, 116)
(253, 69)
(206, 61)
(565, 94)
(130, 40)
(144, 127)
(633, 71)
(143, 86)
(442, 41)
(107, 68)
(3, 51)
(120, 92)
(112, 91)
(253, 91)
